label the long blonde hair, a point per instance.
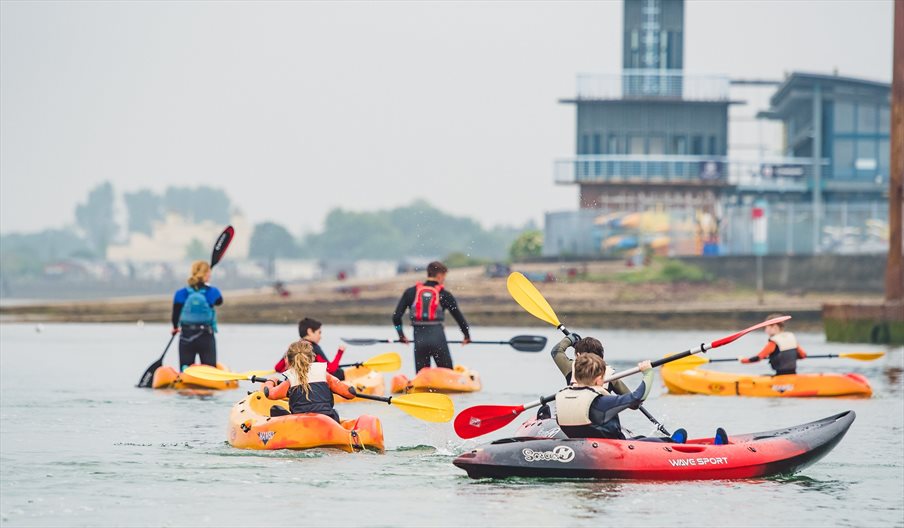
(299, 357)
(199, 271)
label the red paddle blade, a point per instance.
(729, 339)
(219, 248)
(483, 419)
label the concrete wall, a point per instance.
(823, 273)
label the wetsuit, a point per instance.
(566, 366)
(783, 351)
(321, 387)
(196, 339)
(427, 320)
(591, 412)
(332, 367)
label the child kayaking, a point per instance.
(782, 350)
(310, 330)
(307, 384)
(585, 409)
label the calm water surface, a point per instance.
(81, 446)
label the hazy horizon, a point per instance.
(296, 108)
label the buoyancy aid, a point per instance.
(320, 397)
(784, 359)
(426, 308)
(573, 405)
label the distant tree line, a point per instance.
(415, 230)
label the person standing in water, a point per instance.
(427, 302)
(194, 315)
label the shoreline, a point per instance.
(484, 301)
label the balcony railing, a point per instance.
(652, 84)
(775, 174)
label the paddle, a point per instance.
(427, 406)
(530, 298)
(214, 374)
(388, 362)
(521, 343)
(695, 361)
(219, 249)
(483, 419)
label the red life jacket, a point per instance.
(426, 306)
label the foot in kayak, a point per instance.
(679, 436)
(721, 437)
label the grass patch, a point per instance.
(666, 271)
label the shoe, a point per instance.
(721, 437)
(679, 436)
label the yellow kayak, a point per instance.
(438, 379)
(167, 377)
(713, 383)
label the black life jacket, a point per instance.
(784, 359)
(320, 397)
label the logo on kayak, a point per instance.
(265, 436)
(782, 388)
(559, 454)
(704, 461)
(716, 387)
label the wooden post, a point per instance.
(894, 271)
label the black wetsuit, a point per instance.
(429, 336)
(196, 340)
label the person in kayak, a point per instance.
(310, 330)
(782, 350)
(427, 302)
(195, 317)
(306, 383)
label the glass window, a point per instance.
(697, 145)
(636, 145)
(657, 145)
(867, 119)
(585, 144)
(712, 145)
(597, 144)
(884, 157)
(844, 117)
(679, 145)
(612, 148)
(866, 150)
(884, 119)
(843, 161)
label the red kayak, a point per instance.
(539, 449)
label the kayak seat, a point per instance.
(277, 410)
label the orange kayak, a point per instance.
(713, 383)
(438, 379)
(167, 377)
(251, 427)
(365, 381)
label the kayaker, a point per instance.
(307, 384)
(427, 302)
(585, 409)
(782, 349)
(310, 330)
(194, 315)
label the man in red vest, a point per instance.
(427, 302)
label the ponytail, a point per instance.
(199, 271)
(299, 357)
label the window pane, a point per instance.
(844, 157)
(613, 145)
(697, 145)
(712, 145)
(844, 117)
(597, 144)
(636, 145)
(679, 145)
(657, 145)
(867, 119)
(884, 160)
(884, 119)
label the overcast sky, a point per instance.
(296, 108)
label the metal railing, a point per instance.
(646, 84)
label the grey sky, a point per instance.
(295, 108)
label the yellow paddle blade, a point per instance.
(214, 374)
(686, 362)
(428, 406)
(388, 362)
(862, 356)
(527, 295)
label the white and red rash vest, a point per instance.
(426, 308)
